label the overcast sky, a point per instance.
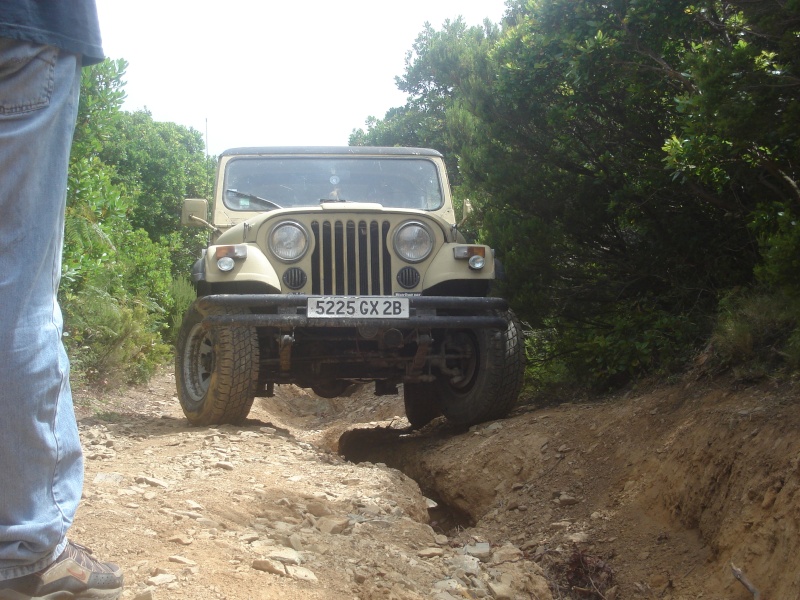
(262, 73)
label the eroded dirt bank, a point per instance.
(650, 496)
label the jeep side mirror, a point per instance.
(194, 212)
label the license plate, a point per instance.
(357, 307)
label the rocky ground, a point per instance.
(651, 494)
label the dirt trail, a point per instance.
(651, 495)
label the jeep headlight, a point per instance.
(227, 256)
(288, 241)
(413, 241)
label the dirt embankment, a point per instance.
(650, 495)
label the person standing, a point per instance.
(43, 45)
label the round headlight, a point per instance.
(288, 241)
(413, 242)
(225, 264)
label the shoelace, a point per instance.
(83, 556)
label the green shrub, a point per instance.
(757, 333)
(183, 294)
(111, 342)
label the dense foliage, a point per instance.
(127, 176)
(635, 162)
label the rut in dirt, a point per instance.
(404, 450)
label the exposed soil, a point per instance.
(651, 494)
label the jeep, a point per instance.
(329, 267)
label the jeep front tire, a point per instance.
(216, 369)
(491, 367)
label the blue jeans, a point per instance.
(41, 465)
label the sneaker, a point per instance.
(74, 575)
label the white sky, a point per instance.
(263, 73)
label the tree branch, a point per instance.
(740, 577)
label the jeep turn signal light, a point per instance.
(476, 255)
(227, 254)
(465, 252)
(237, 251)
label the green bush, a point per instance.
(183, 294)
(111, 342)
(757, 333)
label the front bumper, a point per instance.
(289, 312)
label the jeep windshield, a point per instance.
(259, 183)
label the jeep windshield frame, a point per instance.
(305, 181)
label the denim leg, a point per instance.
(41, 465)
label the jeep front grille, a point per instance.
(351, 258)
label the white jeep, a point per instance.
(329, 267)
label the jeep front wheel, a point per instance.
(486, 369)
(216, 369)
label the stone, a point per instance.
(440, 539)
(466, 563)
(184, 540)
(481, 550)
(507, 553)
(501, 591)
(162, 579)
(332, 525)
(565, 499)
(269, 566)
(288, 556)
(152, 481)
(430, 552)
(301, 573)
(318, 509)
(182, 560)
(578, 538)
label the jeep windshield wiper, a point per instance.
(264, 201)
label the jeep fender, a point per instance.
(253, 268)
(445, 268)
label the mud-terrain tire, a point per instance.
(216, 370)
(493, 375)
(422, 403)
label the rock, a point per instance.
(162, 579)
(332, 525)
(296, 542)
(430, 552)
(288, 556)
(181, 560)
(468, 564)
(481, 550)
(184, 540)
(223, 464)
(152, 481)
(565, 499)
(578, 538)
(269, 566)
(501, 591)
(318, 509)
(442, 540)
(144, 595)
(507, 553)
(301, 573)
